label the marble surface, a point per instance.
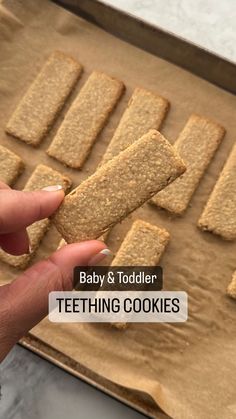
(33, 388)
(209, 23)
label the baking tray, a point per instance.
(197, 60)
(157, 41)
(139, 402)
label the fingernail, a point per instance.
(61, 244)
(52, 188)
(99, 257)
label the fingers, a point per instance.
(4, 185)
(15, 243)
(24, 302)
(20, 209)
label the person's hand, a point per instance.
(24, 302)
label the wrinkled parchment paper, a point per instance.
(189, 369)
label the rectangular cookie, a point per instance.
(196, 145)
(118, 187)
(143, 245)
(219, 214)
(231, 289)
(44, 99)
(41, 177)
(145, 111)
(85, 119)
(11, 166)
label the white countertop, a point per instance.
(208, 23)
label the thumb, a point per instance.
(24, 302)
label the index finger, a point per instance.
(4, 185)
(20, 209)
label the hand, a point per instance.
(24, 302)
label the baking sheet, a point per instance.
(187, 369)
(157, 41)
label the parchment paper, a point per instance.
(188, 369)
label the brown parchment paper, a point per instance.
(188, 369)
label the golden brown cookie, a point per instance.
(85, 119)
(196, 145)
(11, 166)
(118, 187)
(44, 99)
(219, 214)
(145, 111)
